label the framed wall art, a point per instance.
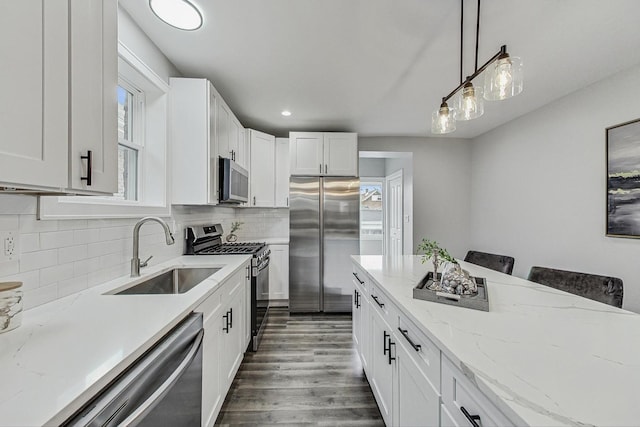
(623, 180)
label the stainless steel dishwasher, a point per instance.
(162, 388)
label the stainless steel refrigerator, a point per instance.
(324, 231)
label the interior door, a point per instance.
(341, 238)
(394, 217)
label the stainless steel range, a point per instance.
(207, 240)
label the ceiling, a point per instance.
(381, 67)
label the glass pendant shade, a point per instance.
(443, 120)
(469, 103)
(503, 78)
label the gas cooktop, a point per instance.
(232, 248)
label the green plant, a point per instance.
(235, 226)
(432, 251)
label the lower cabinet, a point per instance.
(224, 342)
(412, 382)
(279, 273)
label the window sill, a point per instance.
(94, 208)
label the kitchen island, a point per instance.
(539, 357)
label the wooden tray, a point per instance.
(480, 301)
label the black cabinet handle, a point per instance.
(355, 298)
(231, 317)
(357, 278)
(380, 304)
(226, 322)
(391, 343)
(472, 418)
(248, 274)
(405, 334)
(89, 159)
(358, 300)
(384, 343)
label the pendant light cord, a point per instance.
(461, 35)
(477, 34)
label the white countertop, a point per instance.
(67, 350)
(542, 356)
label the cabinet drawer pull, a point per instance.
(385, 335)
(356, 276)
(472, 418)
(391, 343)
(380, 304)
(405, 334)
(226, 322)
(89, 159)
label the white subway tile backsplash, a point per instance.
(56, 239)
(56, 273)
(89, 235)
(9, 222)
(42, 295)
(29, 242)
(71, 286)
(72, 253)
(8, 268)
(103, 248)
(30, 224)
(38, 260)
(73, 224)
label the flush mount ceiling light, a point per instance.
(503, 79)
(180, 14)
(286, 113)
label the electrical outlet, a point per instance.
(9, 245)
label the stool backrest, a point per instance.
(608, 290)
(501, 263)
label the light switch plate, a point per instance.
(10, 249)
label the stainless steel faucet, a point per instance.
(135, 261)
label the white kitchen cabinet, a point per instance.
(225, 321)
(360, 315)
(416, 402)
(382, 364)
(282, 172)
(306, 153)
(58, 95)
(340, 154)
(262, 177)
(212, 392)
(279, 272)
(323, 153)
(195, 152)
(93, 150)
(230, 136)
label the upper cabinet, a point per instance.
(231, 137)
(282, 172)
(263, 175)
(323, 153)
(58, 105)
(194, 134)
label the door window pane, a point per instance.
(371, 218)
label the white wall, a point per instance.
(538, 186)
(440, 187)
(371, 167)
(392, 165)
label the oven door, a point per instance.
(259, 301)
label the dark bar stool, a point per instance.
(605, 289)
(501, 263)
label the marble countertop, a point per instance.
(542, 356)
(67, 350)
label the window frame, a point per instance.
(155, 198)
(138, 133)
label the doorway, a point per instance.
(394, 208)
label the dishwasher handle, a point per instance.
(157, 395)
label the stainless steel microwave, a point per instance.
(234, 182)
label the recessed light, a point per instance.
(180, 14)
(286, 113)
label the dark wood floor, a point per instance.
(306, 372)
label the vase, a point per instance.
(231, 237)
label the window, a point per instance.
(143, 173)
(130, 139)
(371, 210)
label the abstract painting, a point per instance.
(623, 180)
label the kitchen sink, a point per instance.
(176, 281)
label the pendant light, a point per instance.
(503, 79)
(443, 120)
